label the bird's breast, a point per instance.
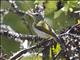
(41, 33)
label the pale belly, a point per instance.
(41, 33)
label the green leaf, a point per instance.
(50, 7)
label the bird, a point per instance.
(44, 30)
(41, 27)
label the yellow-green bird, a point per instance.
(41, 28)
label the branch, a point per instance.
(6, 30)
(40, 45)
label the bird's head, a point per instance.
(36, 16)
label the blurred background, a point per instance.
(59, 15)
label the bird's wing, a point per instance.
(44, 27)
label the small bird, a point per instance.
(41, 28)
(44, 30)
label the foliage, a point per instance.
(57, 19)
(9, 45)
